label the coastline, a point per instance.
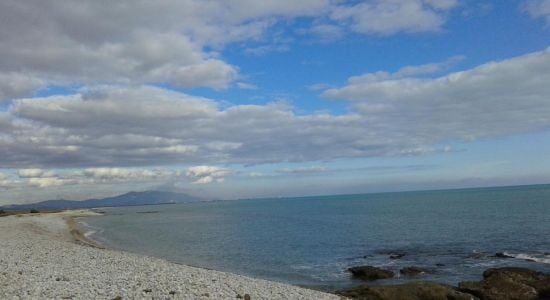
(48, 256)
(78, 233)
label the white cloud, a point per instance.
(92, 42)
(407, 71)
(494, 99)
(324, 32)
(538, 9)
(47, 182)
(35, 173)
(386, 17)
(95, 175)
(396, 113)
(13, 85)
(9, 184)
(170, 42)
(207, 174)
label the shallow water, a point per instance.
(311, 241)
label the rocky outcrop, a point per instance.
(502, 255)
(410, 291)
(509, 283)
(370, 273)
(497, 284)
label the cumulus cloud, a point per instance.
(170, 42)
(207, 174)
(386, 17)
(538, 9)
(92, 42)
(494, 99)
(408, 112)
(14, 85)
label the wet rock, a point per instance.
(370, 273)
(509, 283)
(410, 291)
(414, 271)
(439, 265)
(502, 255)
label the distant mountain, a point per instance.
(128, 199)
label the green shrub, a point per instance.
(34, 211)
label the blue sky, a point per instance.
(246, 99)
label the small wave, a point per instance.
(544, 259)
(89, 233)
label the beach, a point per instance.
(45, 256)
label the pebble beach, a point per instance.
(43, 256)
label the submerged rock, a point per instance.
(397, 255)
(414, 271)
(410, 291)
(509, 283)
(370, 273)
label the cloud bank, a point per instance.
(403, 113)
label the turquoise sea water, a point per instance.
(311, 241)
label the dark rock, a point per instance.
(397, 255)
(147, 290)
(117, 298)
(410, 291)
(440, 265)
(502, 255)
(509, 283)
(246, 297)
(413, 271)
(172, 293)
(370, 273)
(239, 296)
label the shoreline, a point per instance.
(79, 234)
(47, 256)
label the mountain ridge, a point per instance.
(127, 199)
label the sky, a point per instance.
(231, 99)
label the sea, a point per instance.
(312, 241)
